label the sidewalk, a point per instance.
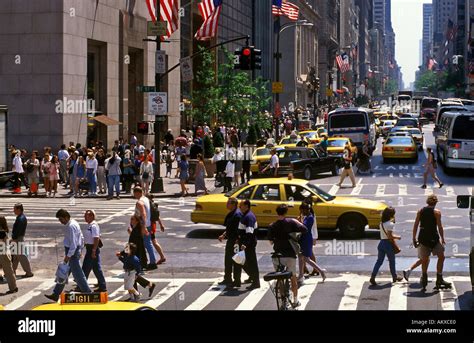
(172, 189)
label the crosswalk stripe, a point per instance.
(333, 189)
(398, 299)
(402, 190)
(304, 293)
(357, 189)
(380, 190)
(450, 192)
(172, 288)
(251, 300)
(351, 294)
(206, 298)
(449, 299)
(428, 190)
(22, 300)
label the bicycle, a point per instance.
(280, 288)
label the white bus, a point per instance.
(357, 124)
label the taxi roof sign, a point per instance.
(84, 298)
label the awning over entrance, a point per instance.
(106, 120)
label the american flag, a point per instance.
(343, 62)
(282, 7)
(168, 12)
(210, 11)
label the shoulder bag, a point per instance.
(396, 248)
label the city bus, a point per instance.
(357, 124)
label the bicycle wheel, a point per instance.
(277, 293)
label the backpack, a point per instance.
(154, 211)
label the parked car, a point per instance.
(303, 162)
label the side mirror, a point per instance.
(463, 201)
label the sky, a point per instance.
(407, 22)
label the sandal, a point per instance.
(161, 261)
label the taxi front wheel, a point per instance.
(352, 225)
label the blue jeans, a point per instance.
(77, 273)
(92, 179)
(113, 180)
(385, 248)
(90, 263)
(149, 246)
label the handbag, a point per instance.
(62, 273)
(239, 257)
(396, 248)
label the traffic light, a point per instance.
(142, 128)
(256, 59)
(317, 83)
(243, 58)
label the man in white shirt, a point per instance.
(143, 211)
(274, 164)
(63, 156)
(91, 172)
(92, 258)
(19, 172)
(73, 244)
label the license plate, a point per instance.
(398, 151)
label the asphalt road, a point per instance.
(195, 256)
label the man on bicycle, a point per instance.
(279, 235)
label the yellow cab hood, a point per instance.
(358, 203)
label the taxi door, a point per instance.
(264, 202)
(294, 196)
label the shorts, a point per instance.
(424, 251)
(288, 262)
(129, 279)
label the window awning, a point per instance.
(106, 120)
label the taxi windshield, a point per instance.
(320, 192)
(337, 143)
(399, 141)
(262, 152)
(235, 190)
(288, 140)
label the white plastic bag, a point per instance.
(314, 230)
(239, 258)
(62, 273)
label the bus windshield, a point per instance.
(349, 120)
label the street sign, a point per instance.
(146, 89)
(187, 69)
(156, 28)
(160, 62)
(277, 87)
(157, 103)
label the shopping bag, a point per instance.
(62, 273)
(239, 258)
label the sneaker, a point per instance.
(372, 281)
(406, 274)
(397, 279)
(441, 185)
(151, 289)
(27, 275)
(52, 297)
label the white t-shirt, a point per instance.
(91, 232)
(274, 161)
(146, 203)
(388, 226)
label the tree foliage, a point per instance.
(230, 97)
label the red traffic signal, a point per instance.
(246, 52)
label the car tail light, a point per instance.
(387, 149)
(198, 207)
(410, 149)
(455, 145)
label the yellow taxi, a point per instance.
(322, 132)
(348, 214)
(288, 142)
(259, 155)
(91, 302)
(312, 136)
(414, 132)
(399, 147)
(336, 146)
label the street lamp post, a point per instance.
(277, 56)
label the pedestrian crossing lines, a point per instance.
(389, 190)
(347, 291)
